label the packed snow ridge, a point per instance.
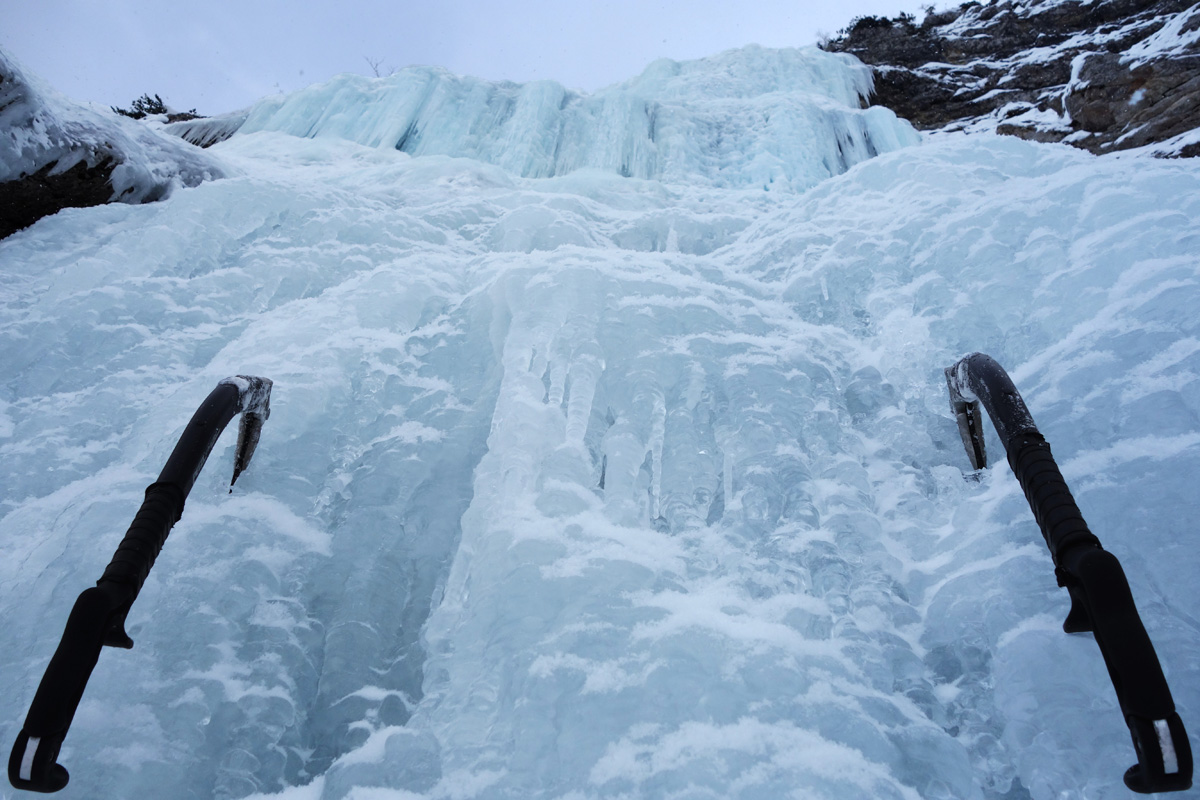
(592, 486)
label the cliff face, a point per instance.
(1102, 75)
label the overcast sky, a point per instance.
(221, 55)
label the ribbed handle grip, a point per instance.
(144, 540)
(1049, 497)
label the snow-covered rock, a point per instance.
(207, 131)
(56, 153)
(1099, 74)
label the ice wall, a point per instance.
(603, 487)
(769, 119)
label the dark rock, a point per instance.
(1105, 85)
(1008, 66)
(23, 202)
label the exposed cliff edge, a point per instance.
(1102, 75)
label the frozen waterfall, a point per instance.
(771, 119)
(593, 469)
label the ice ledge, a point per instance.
(750, 118)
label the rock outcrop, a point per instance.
(29, 198)
(1102, 75)
(55, 154)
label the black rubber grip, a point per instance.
(1049, 497)
(1128, 652)
(144, 540)
(1152, 773)
(62, 686)
(33, 767)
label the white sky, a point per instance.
(221, 55)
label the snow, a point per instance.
(40, 128)
(593, 486)
(1178, 38)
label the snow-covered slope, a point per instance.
(56, 153)
(594, 486)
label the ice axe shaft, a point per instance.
(98, 616)
(1101, 601)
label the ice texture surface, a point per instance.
(772, 119)
(592, 486)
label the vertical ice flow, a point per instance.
(751, 118)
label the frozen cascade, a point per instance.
(773, 119)
(594, 486)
